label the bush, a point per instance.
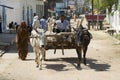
(117, 36)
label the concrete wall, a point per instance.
(0, 13)
(114, 20)
(16, 14)
(12, 14)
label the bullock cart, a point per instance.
(62, 40)
(78, 39)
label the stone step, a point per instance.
(4, 44)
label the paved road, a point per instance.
(103, 63)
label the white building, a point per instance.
(114, 19)
(23, 10)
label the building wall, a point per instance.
(11, 14)
(52, 3)
(114, 20)
(20, 10)
(0, 13)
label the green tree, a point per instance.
(103, 4)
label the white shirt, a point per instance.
(43, 23)
(36, 23)
(62, 25)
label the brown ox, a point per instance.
(82, 38)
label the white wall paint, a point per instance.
(16, 13)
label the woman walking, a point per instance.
(22, 39)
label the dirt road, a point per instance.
(103, 63)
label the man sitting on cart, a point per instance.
(61, 25)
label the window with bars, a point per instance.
(40, 10)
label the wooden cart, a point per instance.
(63, 40)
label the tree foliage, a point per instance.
(103, 4)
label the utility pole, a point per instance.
(98, 14)
(92, 13)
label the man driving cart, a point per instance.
(61, 25)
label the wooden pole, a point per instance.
(92, 13)
(98, 15)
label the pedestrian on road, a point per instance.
(43, 23)
(36, 22)
(11, 25)
(16, 25)
(22, 39)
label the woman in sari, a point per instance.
(22, 39)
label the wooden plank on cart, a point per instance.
(59, 34)
(60, 40)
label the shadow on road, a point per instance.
(60, 67)
(98, 66)
(57, 67)
(92, 64)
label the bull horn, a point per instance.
(82, 20)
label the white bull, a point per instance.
(37, 41)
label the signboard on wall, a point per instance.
(60, 5)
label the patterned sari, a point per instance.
(22, 39)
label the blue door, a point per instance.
(0, 28)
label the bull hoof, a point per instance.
(78, 65)
(37, 66)
(84, 62)
(23, 59)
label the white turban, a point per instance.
(35, 18)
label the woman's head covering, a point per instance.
(23, 24)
